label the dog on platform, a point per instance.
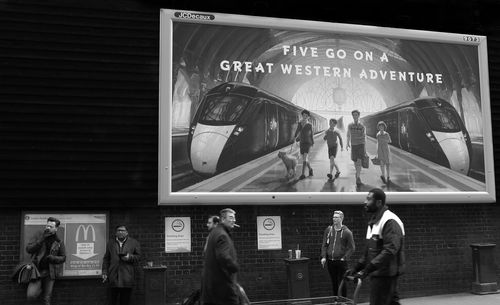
(290, 164)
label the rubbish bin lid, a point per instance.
(482, 245)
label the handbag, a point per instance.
(26, 272)
(365, 162)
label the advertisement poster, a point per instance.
(177, 234)
(268, 232)
(233, 90)
(84, 236)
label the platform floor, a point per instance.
(453, 299)
(409, 173)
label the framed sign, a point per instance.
(234, 88)
(84, 235)
(177, 234)
(269, 233)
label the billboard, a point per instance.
(83, 234)
(270, 111)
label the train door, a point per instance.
(272, 128)
(257, 139)
(404, 128)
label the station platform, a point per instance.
(452, 299)
(409, 173)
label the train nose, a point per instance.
(457, 153)
(207, 146)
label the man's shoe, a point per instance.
(302, 177)
(383, 179)
(311, 172)
(330, 176)
(337, 174)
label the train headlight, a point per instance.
(238, 130)
(430, 136)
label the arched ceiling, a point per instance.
(205, 46)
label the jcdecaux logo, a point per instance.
(197, 16)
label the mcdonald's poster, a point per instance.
(84, 236)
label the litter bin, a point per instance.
(297, 271)
(484, 269)
(155, 285)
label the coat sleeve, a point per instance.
(135, 256)
(324, 245)
(350, 245)
(223, 255)
(297, 131)
(106, 260)
(35, 243)
(392, 236)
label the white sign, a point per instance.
(268, 232)
(177, 234)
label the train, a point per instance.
(429, 127)
(237, 122)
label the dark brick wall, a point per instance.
(78, 130)
(437, 249)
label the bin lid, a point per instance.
(482, 245)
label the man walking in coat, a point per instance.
(48, 253)
(336, 248)
(118, 267)
(383, 258)
(219, 285)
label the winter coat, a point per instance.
(56, 256)
(384, 253)
(329, 247)
(121, 273)
(219, 285)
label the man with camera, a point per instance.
(118, 267)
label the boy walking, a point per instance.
(330, 137)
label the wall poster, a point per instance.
(233, 89)
(84, 234)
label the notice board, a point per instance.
(84, 234)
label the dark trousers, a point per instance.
(120, 296)
(383, 290)
(337, 268)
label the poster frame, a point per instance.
(168, 197)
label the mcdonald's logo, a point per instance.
(85, 230)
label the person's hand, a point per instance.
(297, 139)
(126, 257)
(350, 272)
(104, 278)
(47, 233)
(360, 275)
(323, 262)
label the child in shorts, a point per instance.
(330, 137)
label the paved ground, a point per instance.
(453, 299)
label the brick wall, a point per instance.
(437, 249)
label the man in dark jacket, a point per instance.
(383, 258)
(118, 267)
(48, 253)
(336, 248)
(219, 285)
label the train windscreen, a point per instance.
(443, 119)
(223, 109)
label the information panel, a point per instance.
(84, 235)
